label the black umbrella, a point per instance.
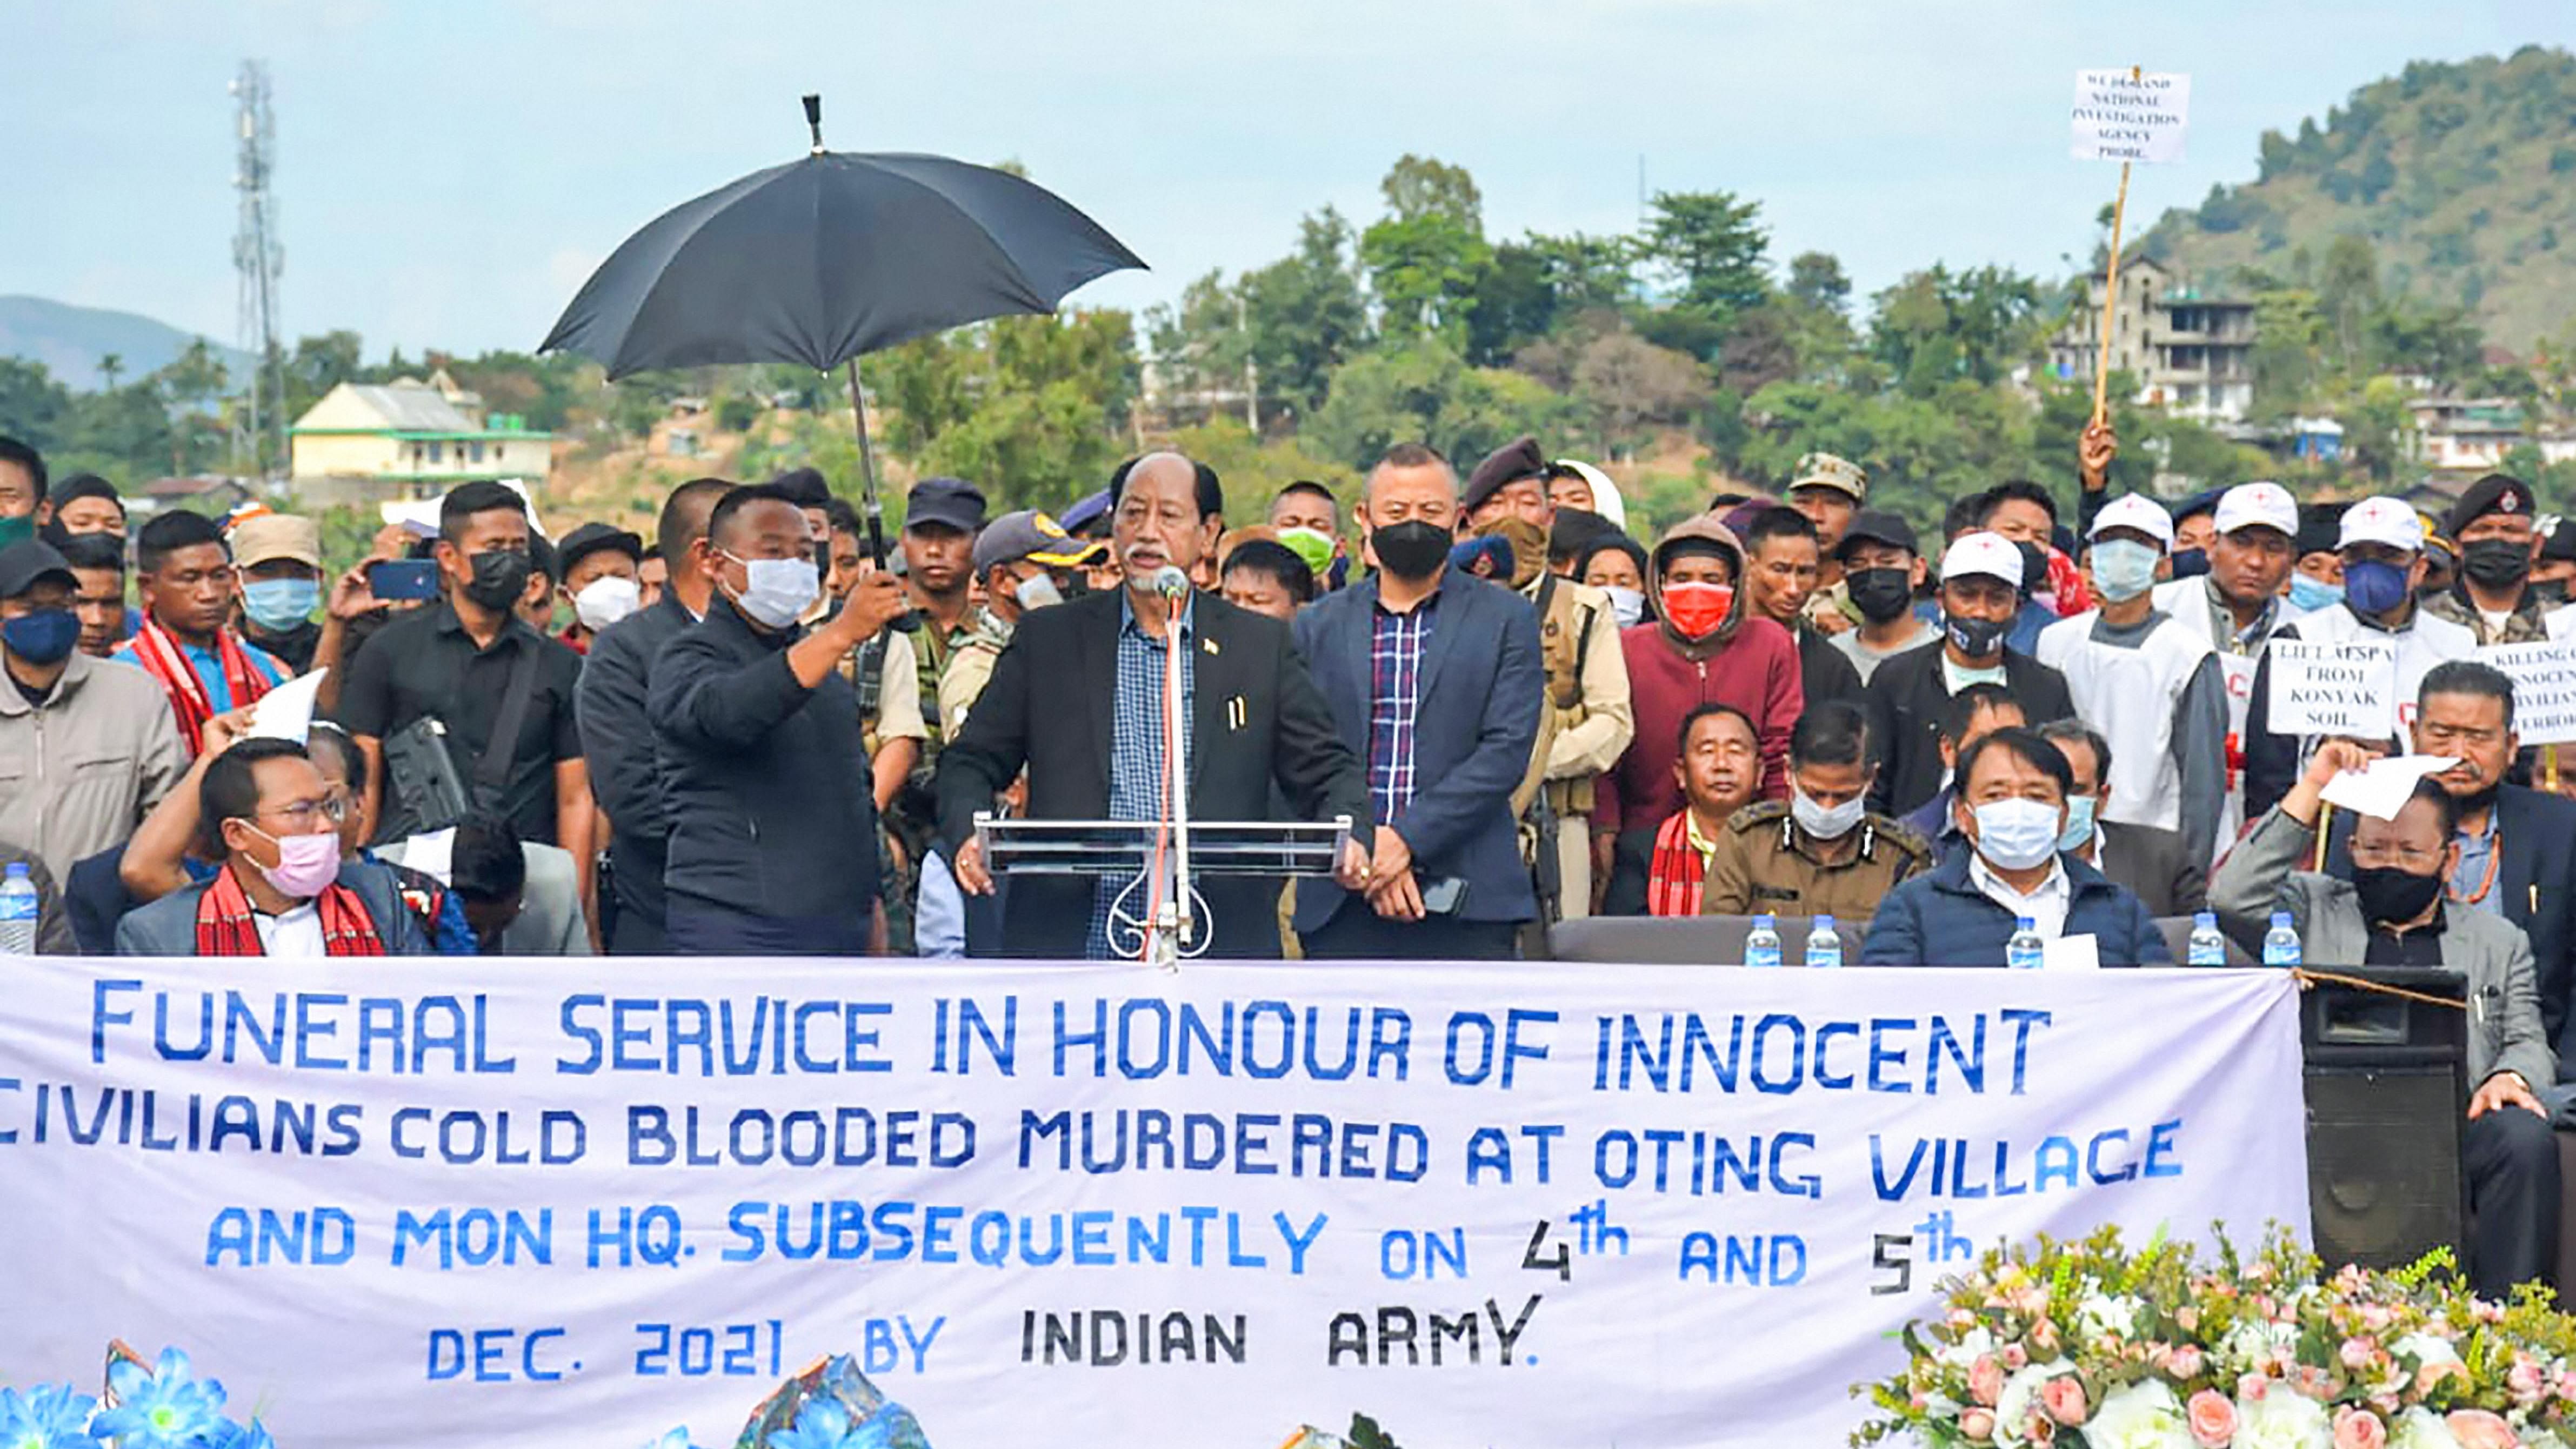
(828, 257)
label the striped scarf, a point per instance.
(1674, 873)
(162, 658)
(226, 924)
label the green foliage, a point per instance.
(1365, 1434)
(1027, 408)
(1253, 470)
(1937, 326)
(1427, 393)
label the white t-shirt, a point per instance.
(296, 933)
(2045, 906)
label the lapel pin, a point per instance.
(1209, 645)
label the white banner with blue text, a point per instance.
(529, 1204)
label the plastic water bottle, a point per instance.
(2281, 943)
(2024, 951)
(1824, 947)
(17, 912)
(1762, 943)
(2208, 948)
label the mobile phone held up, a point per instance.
(396, 580)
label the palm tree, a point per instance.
(109, 366)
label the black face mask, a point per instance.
(2389, 895)
(500, 578)
(2495, 563)
(2034, 568)
(2552, 593)
(2190, 563)
(1413, 549)
(1881, 595)
(1978, 638)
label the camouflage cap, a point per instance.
(1824, 470)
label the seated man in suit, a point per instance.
(1078, 697)
(2012, 811)
(1435, 679)
(283, 889)
(2157, 866)
(2393, 912)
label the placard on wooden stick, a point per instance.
(2126, 116)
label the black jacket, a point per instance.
(765, 785)
(1256, 722)
(2536, 882)
(1825, 671)
(1482, 684)
(617, 739)
(1907, 697)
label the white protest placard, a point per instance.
(2544, 688)
(2320, 687)
(2121, 117)
(2381, 788)
(286, 712)
(508, 1203)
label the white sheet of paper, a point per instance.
(432, 854)
(420, 516)
(2380, 791)
(286, 712)
(2070, 953)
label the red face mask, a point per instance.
(1697, 609)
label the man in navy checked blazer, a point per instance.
(1434, 679)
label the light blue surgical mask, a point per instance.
(2079, 823)
(2017, 834)
(2310, 594)
(2124, 568)
(277, 605)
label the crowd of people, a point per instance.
(746, 735)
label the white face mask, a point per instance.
(1826, 822)
(605, 600)
(1627, 605)
(1037, 591)
(777, 590)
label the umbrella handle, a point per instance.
(869, 507)
(814, 121)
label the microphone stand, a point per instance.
(1173, 922)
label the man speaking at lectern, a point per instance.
(1078, 699)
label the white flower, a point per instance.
(2253, 1342)
(2143, 1415)
(2421, 1429)
(2020, 1398)
(1972, 1345)
(2282, 1420)
(2426, 1349)
(2102, 1314)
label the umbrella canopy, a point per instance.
(828, 257)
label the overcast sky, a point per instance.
(448, 173)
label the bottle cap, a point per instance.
(17, 870)
(2026, 923)
(2204, 918)
(1824, 923)
(2280, 918)
(1761, 922)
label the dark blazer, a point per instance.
(1482, 685)
(2537, 879)
(617, 739)
(168, 926)
(1052, 705)
(765, 784)
(1940, 918)
(1905, 701)
(2157, 867)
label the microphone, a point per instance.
(1171, 583)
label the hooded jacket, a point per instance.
(1749, 663)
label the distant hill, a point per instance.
(2462, 175)
(70, 340)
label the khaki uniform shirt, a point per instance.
(970, 668)
(1765, 865)
(1589, 719)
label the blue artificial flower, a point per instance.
(49, 1417)
(228, 1435)
(676, 1439)
(164, 1407)
(825, 1424)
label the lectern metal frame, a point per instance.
(1126, 848)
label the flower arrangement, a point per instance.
(159, 1406)
(2091, 1344)
(831, 1405)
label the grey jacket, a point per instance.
(2261, 875)
(79, 772)
(168, 926)
(551, 922)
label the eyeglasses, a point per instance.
(302, 813)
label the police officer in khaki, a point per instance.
(1588, 720)
(1821, 852)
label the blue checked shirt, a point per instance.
(1396, 646)
(1136, 748)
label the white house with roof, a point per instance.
(408, 439)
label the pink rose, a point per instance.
(2016, 1358)
(2185, 1362)
(2359, 1429)
(2064, 1400)
(2524, 1379)
(2212, 1417)
(2431, 1375)
(2478, 1429)
(1977, 1425)
(2187, 1319)
(2355, 1353)
(1985, 1380)
(2043, 1336)
(2252, 1387)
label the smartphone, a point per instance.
(403, 578)
(1444, 896)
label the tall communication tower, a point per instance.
(257, 259)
